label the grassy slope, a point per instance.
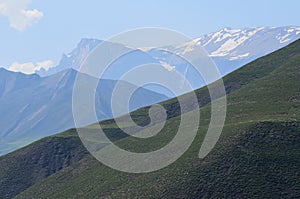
(25, 167)
(263, 113)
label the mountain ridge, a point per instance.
(257, 155)
(230, 48)
(46, 103)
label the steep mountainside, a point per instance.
(10, 81)
(36, 107)
(247, 42)
(233, 48)
(257, 155)
(229, 48)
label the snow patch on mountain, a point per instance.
(227, 47)
(239, 56)
(167, 66)
(234, 44)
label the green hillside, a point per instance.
(258, 155)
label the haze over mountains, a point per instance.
(232, 48)
(35, 106)
(229, 48)
(257, 155)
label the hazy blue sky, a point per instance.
(35, 30)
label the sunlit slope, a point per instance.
(258, 154)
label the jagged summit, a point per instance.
(230, 48)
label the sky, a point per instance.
(35, 34)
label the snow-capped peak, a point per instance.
(232, 45)
(235, 44)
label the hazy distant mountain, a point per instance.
(32, 104)
(33, 107)
(257, 155)
(229, 48)
(10, 81)
(232, 48)
(74, 58)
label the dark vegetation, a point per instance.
(258, 155)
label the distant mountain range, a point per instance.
(232, 48)
(257, 155)
(33, 107)
(229, 48)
